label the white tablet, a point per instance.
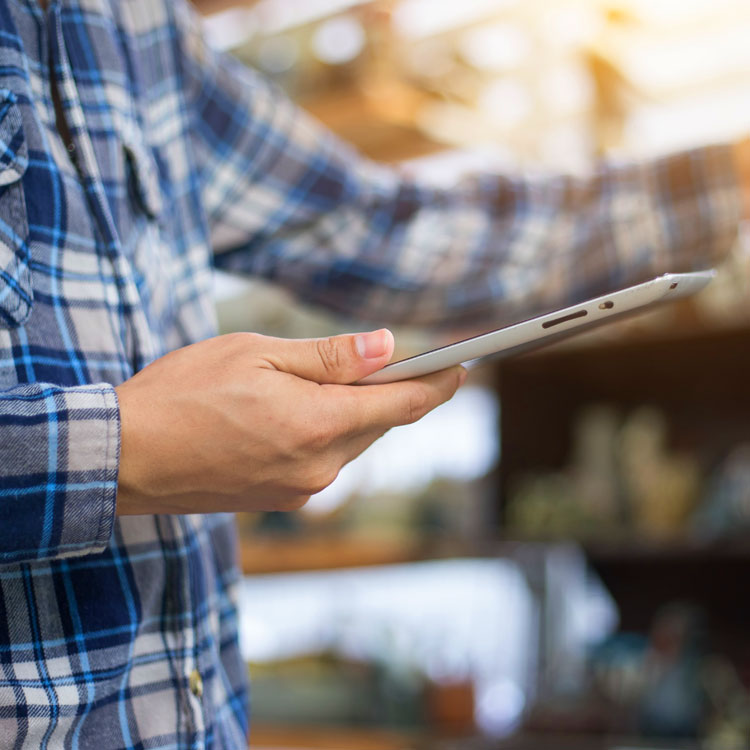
(545, 328)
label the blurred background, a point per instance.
(559, 557)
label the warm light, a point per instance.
(278, 54)
(275, 16)
(338, 41)
(665, 12)
(229, 28)
(431, 58)
(506, 102)
(567, 89)
(498, 47)
(421, 18)
(570, 26)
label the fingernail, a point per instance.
(462, 377)
(372, 345)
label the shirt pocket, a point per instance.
(142, 177)
(15, 275)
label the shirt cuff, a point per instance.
(90, 514)
(59, 455)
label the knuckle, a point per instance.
(240, 342)
(346, 412)
(330, 355)
(319, 434)
(327, 423)
(417, 405)
(310, 479)
(292, 503)
(241, 338)
(319, 477)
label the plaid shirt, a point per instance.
(123, 632)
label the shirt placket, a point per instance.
(135, 334)
(81, 149)
(195, 595)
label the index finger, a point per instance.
(403, 402)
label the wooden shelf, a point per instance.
(206, 7)
(667, 551)
(283, 555)
(332, 738)
(696, 376)
(379, 121)
(570, 741)
(268, 554)
(261, 555)
(698, 381)
(352, 739)
(286, 554)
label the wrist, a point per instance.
(131, 499)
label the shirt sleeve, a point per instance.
(59, 451)
(288, 201)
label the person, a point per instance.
(134, 159)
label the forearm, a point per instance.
(59, 452)
(497, 247)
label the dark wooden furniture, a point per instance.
(700, 380)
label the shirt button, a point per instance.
(196, 683)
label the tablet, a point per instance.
(547, 328)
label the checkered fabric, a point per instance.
(183, 159)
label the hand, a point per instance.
(246, 422)
(742, 160)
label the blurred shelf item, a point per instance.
(402, 79)
(699, 381)
(331, 738)
(690, 386)
(206, 7)
(379, 121)
(557, 740)
(667, 552)
(262, 554)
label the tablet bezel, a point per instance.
(542, 329)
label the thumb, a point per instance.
(336, 359)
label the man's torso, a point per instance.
(105, 265)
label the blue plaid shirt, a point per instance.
(123, 632)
